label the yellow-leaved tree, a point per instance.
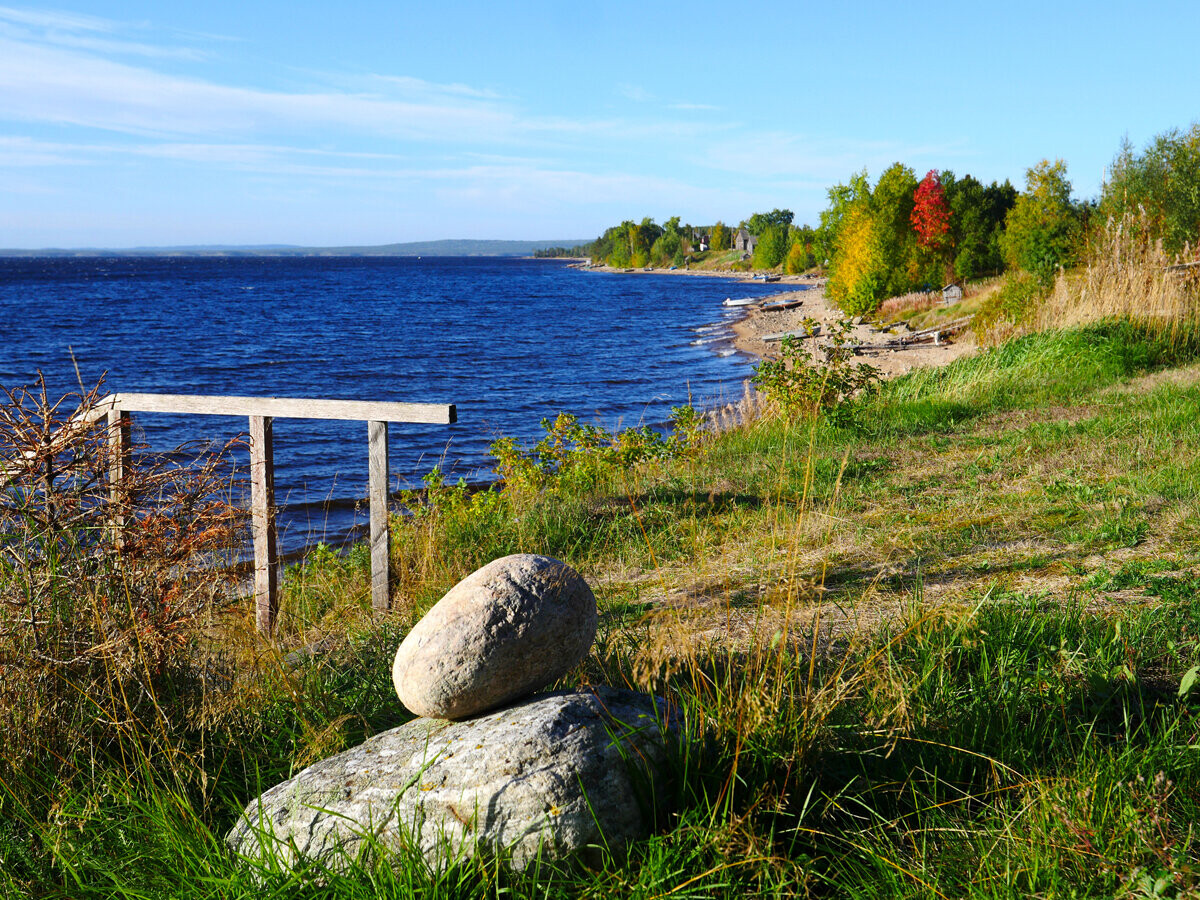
(859, 269)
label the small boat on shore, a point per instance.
(782, 305)
(743, 301)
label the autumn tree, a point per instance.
(841, 198)
(799, 259)
(801, 248)
(931, 213)
(719, 240)
(859, 270)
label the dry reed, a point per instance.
(908, 304)
(1128, 277)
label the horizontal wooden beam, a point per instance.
(279, 408)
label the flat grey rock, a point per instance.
(506, 630)
(556, 776)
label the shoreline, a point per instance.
(755, 324)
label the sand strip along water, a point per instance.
(756, 324)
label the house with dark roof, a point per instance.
(744, 241)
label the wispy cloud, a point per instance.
(418, 87)
(103, 90)
(24, 152)
(71, 85)
(55, 21)
(780, 154)
(79, 32)
(40, 83)
(635, 93)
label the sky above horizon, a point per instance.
(145, 124)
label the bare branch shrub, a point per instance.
(103, 587)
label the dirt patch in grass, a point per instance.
(1020, 419)
(1184, 376)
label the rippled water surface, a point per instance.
(509, 341)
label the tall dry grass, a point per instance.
(1128, 276)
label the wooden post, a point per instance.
(120, 456)
(377, 449)
(262, 513)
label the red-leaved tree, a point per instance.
(931, 213)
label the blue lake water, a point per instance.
(509, 341)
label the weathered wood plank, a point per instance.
(802, 335)
(262, 517)
(377, 449)
(282, 408)
(120, 449)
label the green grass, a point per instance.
(936, 651)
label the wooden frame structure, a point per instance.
(262, 411)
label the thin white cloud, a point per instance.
(54, 20)
(779, 154)
(79, 32)
(127, 48)
(418, 87)
(23, 152)
(64, 86)
(52, 84)
(635, 93)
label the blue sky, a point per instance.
(139, 123)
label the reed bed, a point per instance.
(1128, 276)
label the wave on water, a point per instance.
(509, 341)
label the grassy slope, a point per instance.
(938, 653)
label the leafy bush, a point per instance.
(799, 385)
(582, 453)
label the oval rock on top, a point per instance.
(503, 632)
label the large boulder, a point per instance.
(501, 633)
(556, 776)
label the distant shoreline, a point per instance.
(440, 248)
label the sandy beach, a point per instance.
(879, 348)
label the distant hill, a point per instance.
(415, 248)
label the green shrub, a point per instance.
(582, 454)
(798, 384)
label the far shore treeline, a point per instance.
(903, 233)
